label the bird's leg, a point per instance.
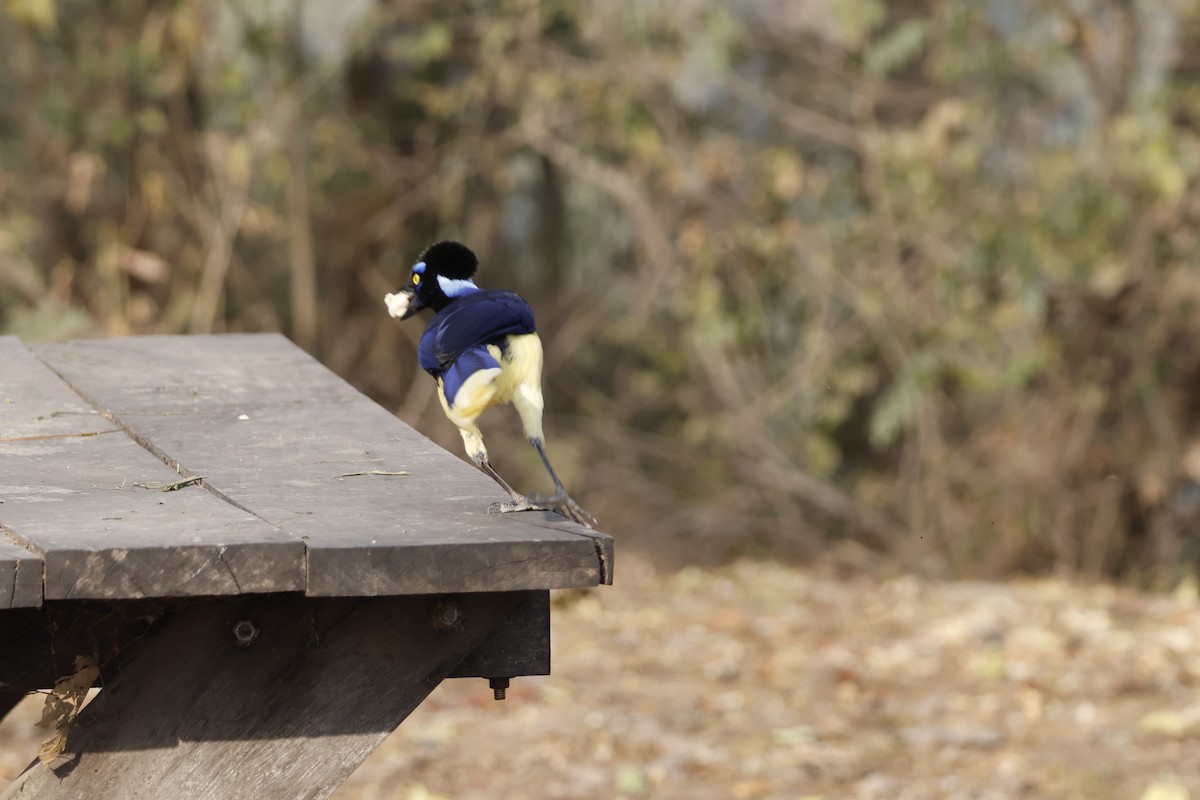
(529, 404)
(487, 468)
(519, 501)
(560, 501)
(473, 441)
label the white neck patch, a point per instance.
(456, 288)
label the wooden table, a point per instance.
(261, 629)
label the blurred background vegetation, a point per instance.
(915, 278)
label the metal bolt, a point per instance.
(499, 687)
(244, 632)
(447, 615)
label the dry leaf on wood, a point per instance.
(62, 706)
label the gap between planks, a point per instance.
(162, 456)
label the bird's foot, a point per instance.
(518, 504)
(563, 504)
(560, 503)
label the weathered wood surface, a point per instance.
(519, 645)
(272, 431)
(39, 645)
(290, 715)
(20, 575)
(84, 496)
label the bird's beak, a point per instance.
(404, 303)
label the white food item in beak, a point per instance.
(398, 303)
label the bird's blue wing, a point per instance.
(467, 364)
(477, 319)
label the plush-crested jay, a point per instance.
(483, 349)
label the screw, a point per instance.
(499, 687)
(244, 632)
(447, 615)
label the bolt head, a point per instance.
(244, 632)
(447, 615)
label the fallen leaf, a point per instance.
(52, 754)
(62, 706)
(1172, 722)
(630, 779)
(1165, 790)
(171, 487)
(800, 734)
(419, 792)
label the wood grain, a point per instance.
(273, 431)
(84, 497)
(289, 716)
(519, 645)
(20, 574)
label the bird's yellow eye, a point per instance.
(416, 279)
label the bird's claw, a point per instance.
(522, 504)
(563, 504)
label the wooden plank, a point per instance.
(519, 645)
(289, 715)
(20, 574)
(273, 431)
(40, 644)
(36, 406)
(84, 496)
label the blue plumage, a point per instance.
(471, 322)
(467, 364)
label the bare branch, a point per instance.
(802, 120)
(659, 249)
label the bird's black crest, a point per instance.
(452, 259)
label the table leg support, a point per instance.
(8, 701)
(269, 697)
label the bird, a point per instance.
(482, 348)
